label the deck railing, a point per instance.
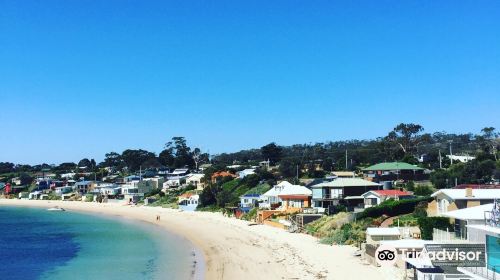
(488, 272)
(491, 220)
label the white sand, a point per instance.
(234, 250)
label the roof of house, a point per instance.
(285, 188)
(471, 213)
(391, 192)
(343, 173)
(295, 190)
(388, 166)
(195, 176)
(477, 186)
(373, 231)
(284, 184)
(476, 193)
(406, 243)
(223, 174)
(346, 182)
(253, 195)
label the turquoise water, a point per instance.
(40, 244)
(493, 252)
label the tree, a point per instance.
(113, 159)
(135, 158)
(25, 179)
(183, 155)
(6, 167)
(85, 163)
(406, 136)
(66, 167)
(166, 157)
(489, 140)
(272, 152)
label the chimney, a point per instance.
(468, 192)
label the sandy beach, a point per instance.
(234, 250)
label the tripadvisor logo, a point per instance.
(437, 254)
(386, 255)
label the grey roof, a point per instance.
(347, 182)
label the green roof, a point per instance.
(387, 166)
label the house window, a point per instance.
(336, 193)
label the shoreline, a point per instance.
(230, 248)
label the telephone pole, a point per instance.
(346, 159)
(451, 154)
(440, 160)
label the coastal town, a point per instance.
(416, 199)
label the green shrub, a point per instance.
(251, 215)
(392, 208)
(427, 224)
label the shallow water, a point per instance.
(40, 244)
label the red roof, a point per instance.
(392, 193)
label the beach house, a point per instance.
(374, 235)
(249, 201)
(486, 234)
(295, 197)
(453, 199)
(270, 199)
(375, 197)
(345, 191)
(465, 217)
(188, 201)
(83, 187)
(196, 180)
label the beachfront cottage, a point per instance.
(196, 180)
(375, 235)
(295, 197)
(188, 201)
(393, 171)
(375, 197)
(347, 191)
(487, 235)
(83, 187)
(463, 218)
(270, 199)
(453, 199)
(249, 201)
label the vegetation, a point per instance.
(428, 224)
(391, 208)
(338, 230)
(251, 215)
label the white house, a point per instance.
(174, 182)
(463, 159)
(375, 197)
(196, 180)
(375, 235)
(242, 174)
(271, 196)
(453, 199)
(69, 175)
(249, 200)
(188, 202)
(467, 217)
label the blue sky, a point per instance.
(82, 78)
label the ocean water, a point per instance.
(40, 244)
